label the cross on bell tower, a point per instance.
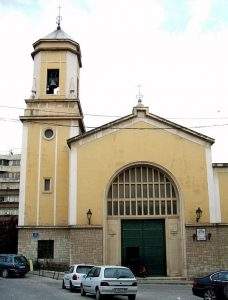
(59, 19)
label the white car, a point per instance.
(72, 278)
(109, 280)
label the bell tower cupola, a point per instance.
(57, 63)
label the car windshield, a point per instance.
(20, 260)
(118, 273)
(83, 269)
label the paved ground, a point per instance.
(40, 288)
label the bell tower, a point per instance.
(52, 115)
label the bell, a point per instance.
(53, 83)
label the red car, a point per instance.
(212, 287)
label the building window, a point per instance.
(47, 184)
(48, 134)
(16, 162)
(4, 162)
(142, 191)
(17, 175)
(4, 174)
(52, 81)
(45, 249)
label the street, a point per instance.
(40, 288)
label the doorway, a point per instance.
(143, 246)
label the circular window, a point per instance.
(49, 133)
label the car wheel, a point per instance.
(71, 287)
(5, 273)
(98, 295)
(131, 297)
(209, 295)
(83, 293)
(63, 285)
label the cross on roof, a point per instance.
(139, 96)
(59, 18)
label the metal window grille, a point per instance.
(142, 191)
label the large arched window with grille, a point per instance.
(142, 191)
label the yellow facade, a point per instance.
(101, 158)
(79, 168)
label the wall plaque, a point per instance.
(201, 234)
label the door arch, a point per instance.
(142, 191)
(144, 196)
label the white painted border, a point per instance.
(213, 197)
(72, 69)
(147, 120)
(38, 180)
(55, 179)
(72, 212)
(74, 129)
(217, 195)
(36, 73)
(23, 169)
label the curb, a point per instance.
(148, 280)
(50, 274)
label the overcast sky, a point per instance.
(176, 49)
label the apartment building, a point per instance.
(9, 201)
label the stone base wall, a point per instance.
(207, 256)
(28, 245)
(71, 245)
(86, 245)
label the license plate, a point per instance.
(22, 267)
(120, 290)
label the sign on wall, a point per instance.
(201, 234)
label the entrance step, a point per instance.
(163, 280)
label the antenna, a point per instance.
(139, 96)
(59, 18)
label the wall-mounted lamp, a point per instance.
(89, 215)
(198, 214)
(194, 236)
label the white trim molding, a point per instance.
(72, 208)
(21, 219)
(55, 179)
(213, 195)
(38, 180)
(217, 195)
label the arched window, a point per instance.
(142, 191)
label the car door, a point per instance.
(68, 275)
(95, 281)
(223, 278)
(216, 283)
(87, 282)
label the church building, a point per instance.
(140, 190)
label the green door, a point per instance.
(143, 246)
